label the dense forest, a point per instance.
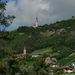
(57, 37)
(60, 36)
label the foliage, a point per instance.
(57, 39)
(62, 40)
(5, 21)
(40, 67)
(58, 71)
(5, 52)
(67, 60)
(67, 74)
(4, 68)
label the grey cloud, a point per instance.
(47, 11)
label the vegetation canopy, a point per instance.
(55, 40)
(5, 21)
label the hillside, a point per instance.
(67, 60)
(59, 36)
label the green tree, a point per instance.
(4, 68)
(57, 71)
(40, 67)
(5, 52)
(5, 21)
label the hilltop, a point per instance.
(56, 40)
(59, 36)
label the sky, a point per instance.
(47, 11)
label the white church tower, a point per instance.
(24, 52)
(36, 23)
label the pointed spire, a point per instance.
(36, 24)
(36, 19)
(24, 47)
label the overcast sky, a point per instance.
(47, 11)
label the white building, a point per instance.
(24, 51)
(36, 55)
(36, 24)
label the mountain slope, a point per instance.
(60, 36)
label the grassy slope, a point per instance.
(68, 74)
(42, 51)
(68, 60)
(30, 63)
(65, 61)
(47, 50)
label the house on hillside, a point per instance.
(36, 55)
(48, 60)
(68, 69)
(73, 64)
(52, 61)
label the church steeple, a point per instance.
(36, 19)
(36, 23)
(24, 49)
